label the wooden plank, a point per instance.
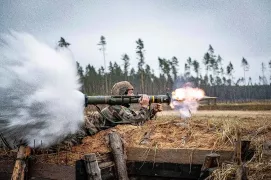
(6, 169)
(56, 171)
(106, 157)
(181, 156)
(7, 166)
(52, 171)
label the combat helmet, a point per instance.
(121, 88)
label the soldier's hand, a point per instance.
(158, 108)
(144, 101)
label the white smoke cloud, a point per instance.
(39, 91)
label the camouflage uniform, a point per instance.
(117, 114)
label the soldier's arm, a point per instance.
(126, 115)
(143, 114)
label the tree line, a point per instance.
(209, 74)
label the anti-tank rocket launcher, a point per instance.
(121, 100)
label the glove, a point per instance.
(158, 108)
(144, 101)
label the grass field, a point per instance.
(238, 107)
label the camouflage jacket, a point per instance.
(117, 114)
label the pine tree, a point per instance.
(263, 67)
(126, 65)
(174, 65)
(229, 73)
(249, 81)
(102, 45)
(189, 63)
(166, 70)
(91, 80)
(212, 61)
(132, 75)
(148, 76)
(63, 43)
(80, 73)
(218, 81)
(141, 58)
(196, 67)
(245, 66)
(220, 65)
(206, 62)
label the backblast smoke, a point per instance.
(39, 91)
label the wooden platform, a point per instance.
(179, 157)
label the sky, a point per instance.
(181, 28)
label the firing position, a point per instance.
(121, 114)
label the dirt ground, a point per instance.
(220, 113)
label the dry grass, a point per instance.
(258, 131)
(213, 131)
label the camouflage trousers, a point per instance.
(93, 123)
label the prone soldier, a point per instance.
(121, 114)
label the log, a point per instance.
(118, 154)
(237, 152)
(92, 168)
(20, 164)
(241, 170)
(241, 173)
(211, 161)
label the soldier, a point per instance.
(122, 114)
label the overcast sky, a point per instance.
(180, 28)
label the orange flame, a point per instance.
(186, 94)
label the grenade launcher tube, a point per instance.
(120, 100)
